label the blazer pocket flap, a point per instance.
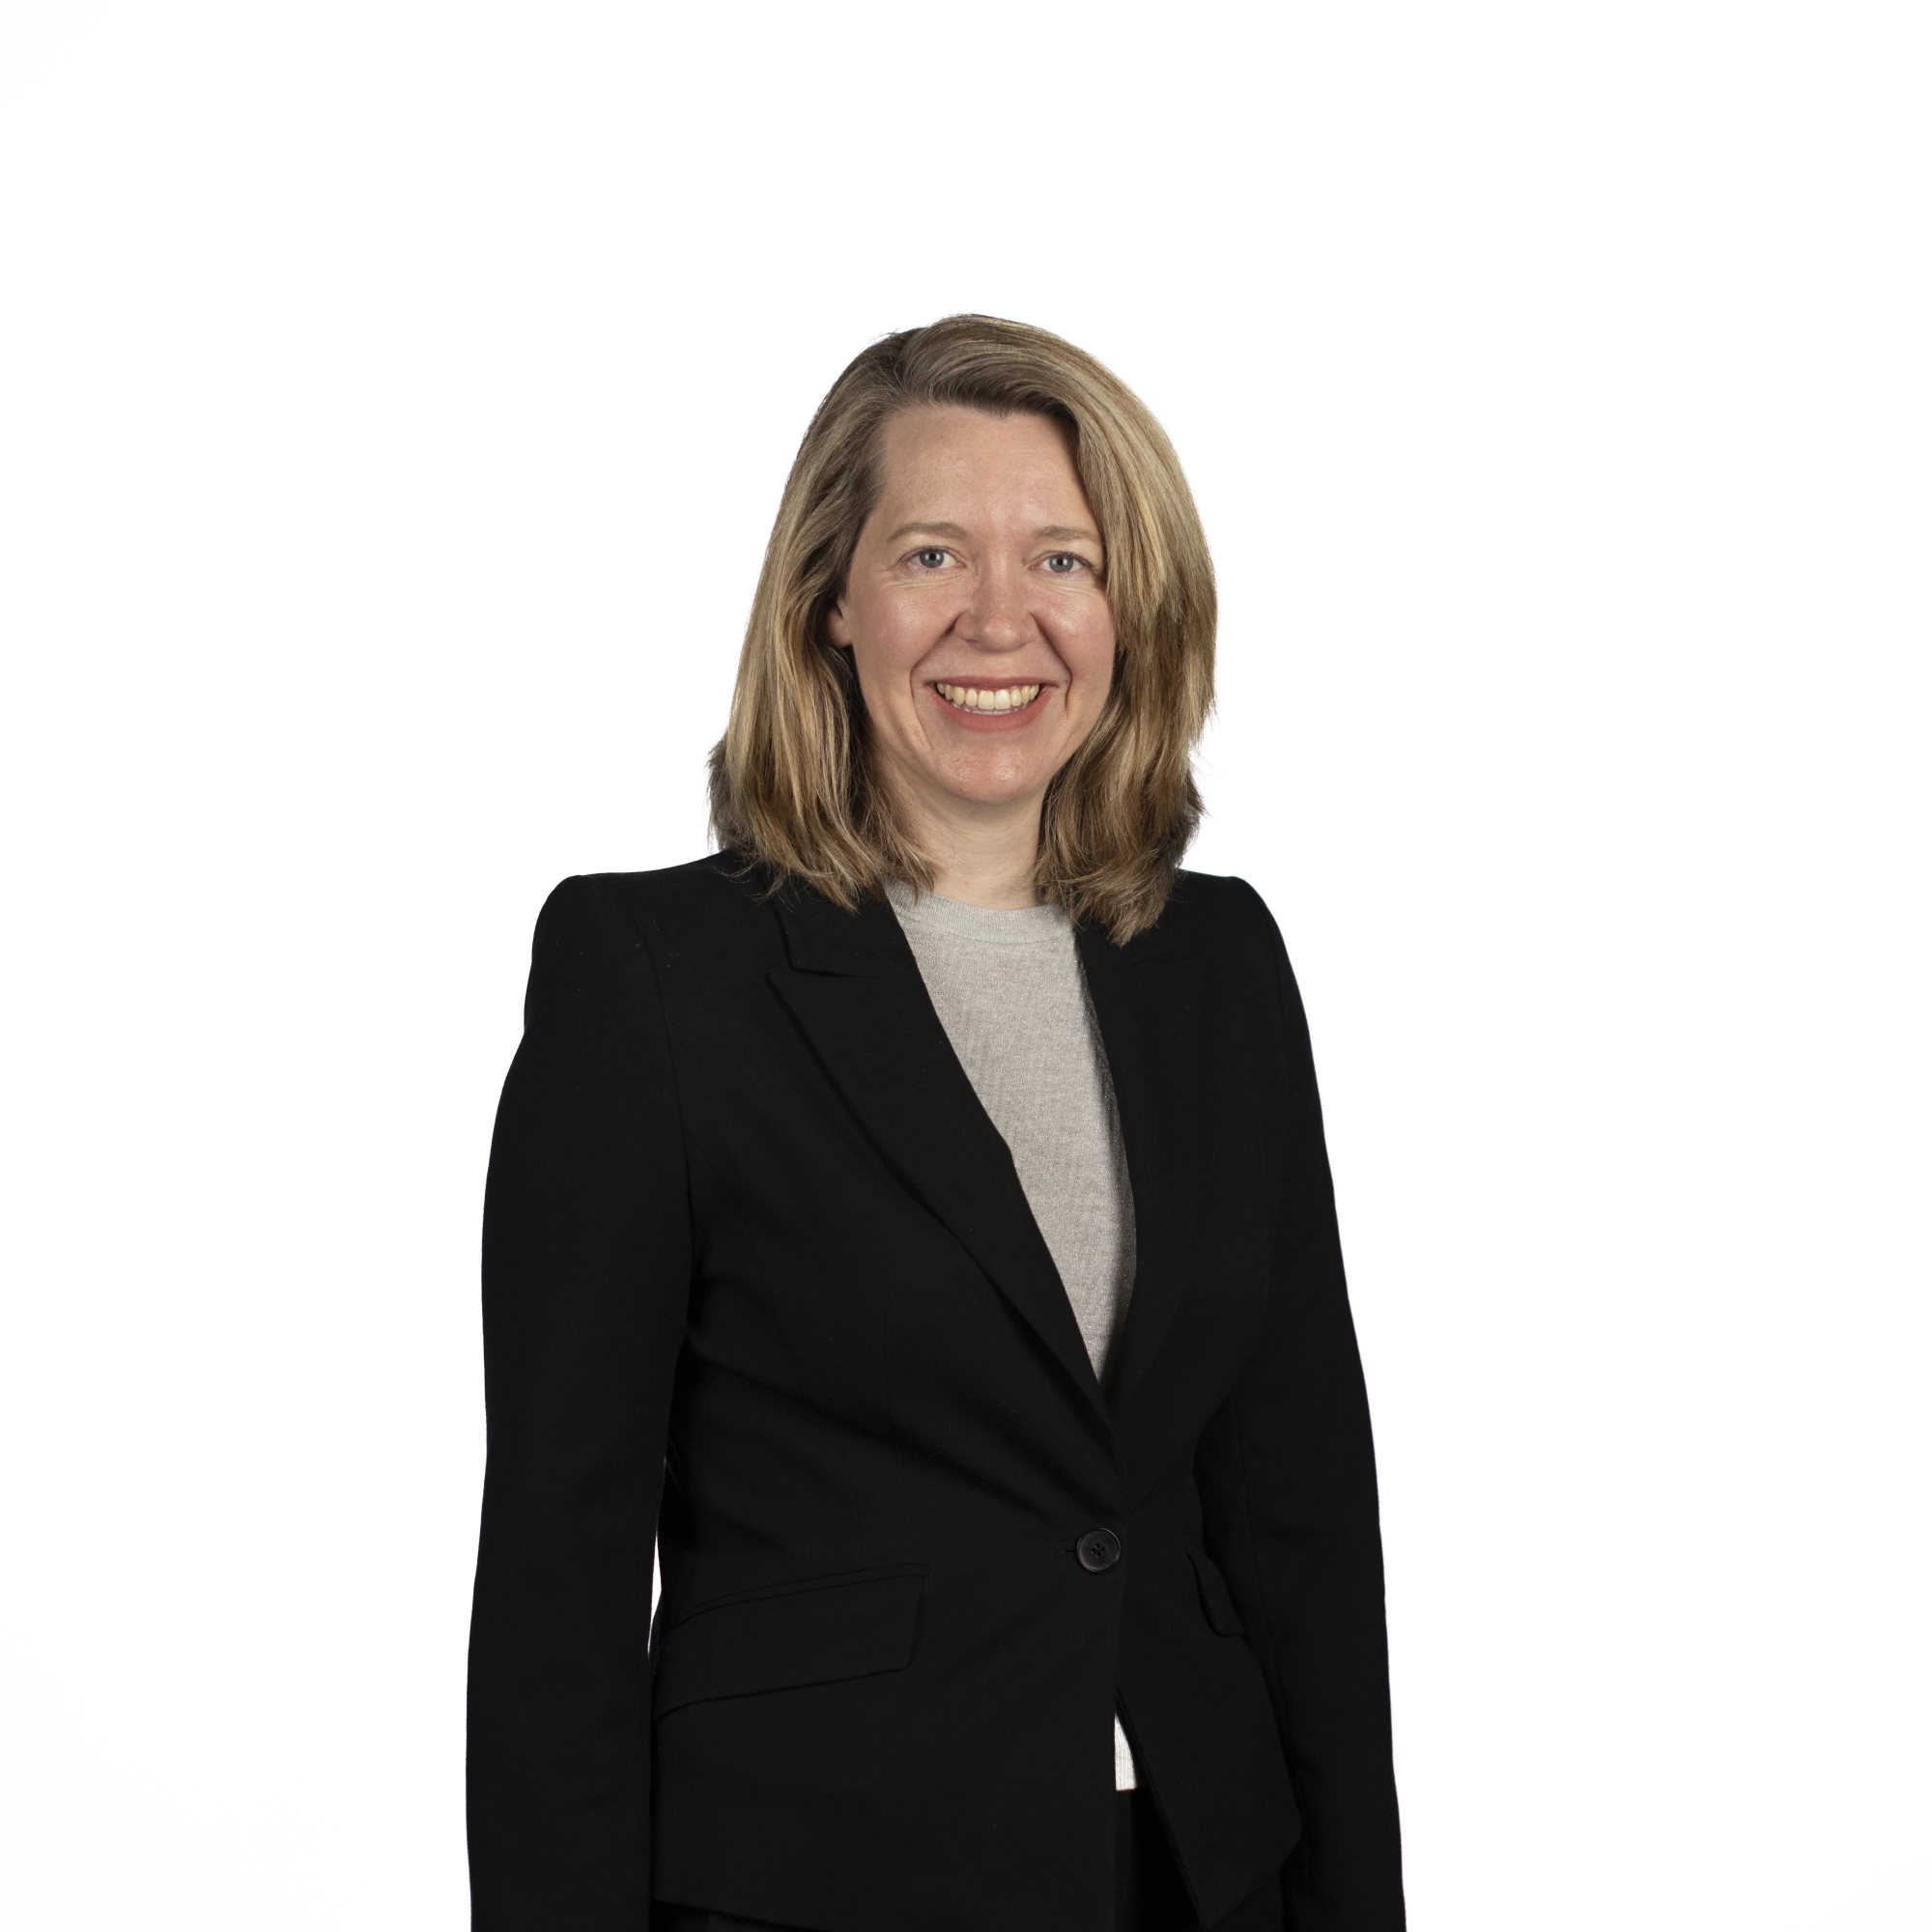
(817, 1633)
(1223, 1619)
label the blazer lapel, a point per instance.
(855, 989)
(1146, 996)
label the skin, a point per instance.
(981, 568)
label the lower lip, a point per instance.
(991, 720)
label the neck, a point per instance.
(980, 855)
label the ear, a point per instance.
(838, 628)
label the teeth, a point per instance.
(969, 697)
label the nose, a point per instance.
(996, 616)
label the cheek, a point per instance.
(1090, 646)
(888, 635)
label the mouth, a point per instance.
(989, 700)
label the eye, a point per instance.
(929, 559)
(1064, 564)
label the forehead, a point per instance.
(969, 455)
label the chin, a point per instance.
(995, 788)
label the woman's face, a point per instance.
(974, 610)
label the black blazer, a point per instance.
(759, 1279)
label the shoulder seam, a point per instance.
(602, 880)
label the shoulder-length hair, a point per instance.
(793, 787)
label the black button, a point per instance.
(1098, 1549)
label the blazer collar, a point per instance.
(821, 937)
(855, 989)
(1146, 999)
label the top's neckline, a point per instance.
(1022, 925)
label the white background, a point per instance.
(393, 403)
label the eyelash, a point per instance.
(1054, 556)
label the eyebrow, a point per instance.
(1060, 533)
(925, 530)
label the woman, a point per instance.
(916, 1217)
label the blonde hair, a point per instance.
(793, 785)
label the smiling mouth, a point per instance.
(1004, 697)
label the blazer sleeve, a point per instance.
(1287, 1484)
(586, 1260)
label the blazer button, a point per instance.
(1098, 1549)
